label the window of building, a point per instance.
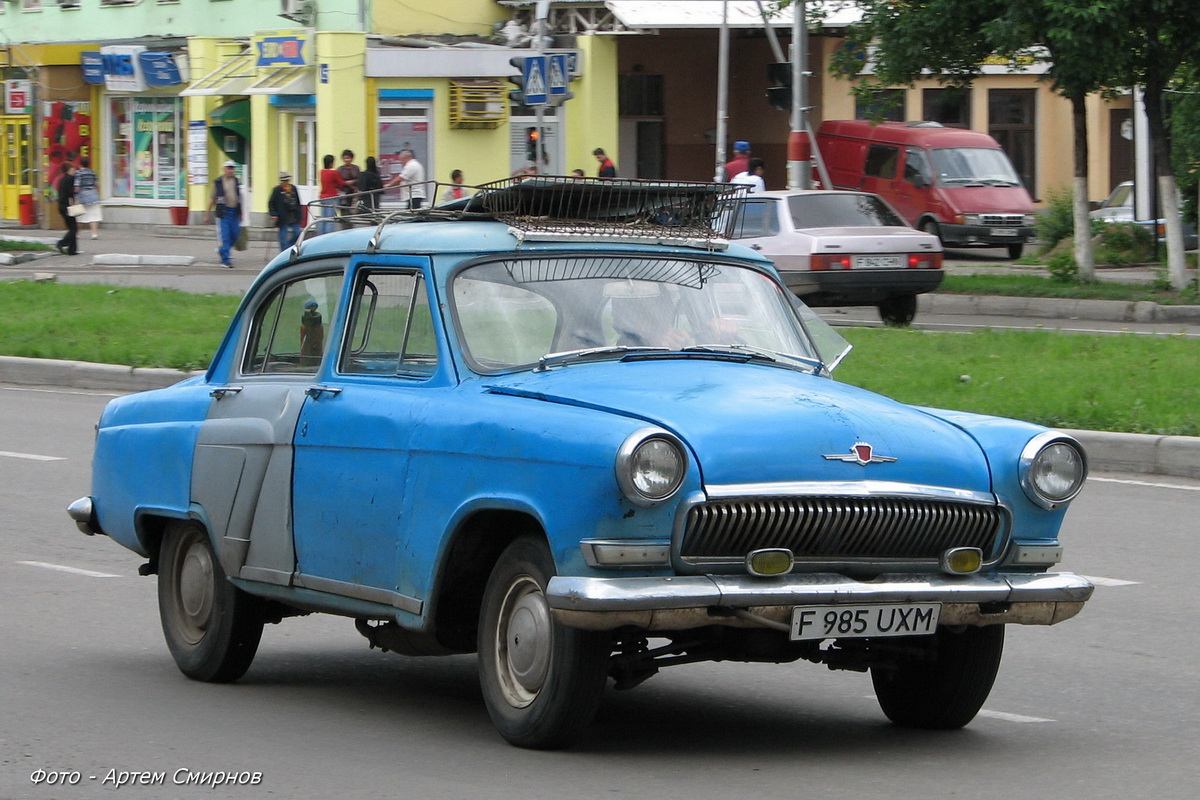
(881, 104)
(404, 125)
(951, 107)
(640, 95)
(1012, 121)
(147, 148)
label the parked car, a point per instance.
(835, 248)
(955, 183)
(571, 429)
(1118, 207)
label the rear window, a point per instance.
(836, 210)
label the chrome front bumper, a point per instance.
(679, 603)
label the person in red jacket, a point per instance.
(607, 168)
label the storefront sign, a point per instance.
(118, 67)
(160, 69)
(282, 48)
(197, 154)
(18, 96)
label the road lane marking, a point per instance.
(1109, 581)
(73, 570)
(30, 456)
(1151, 484)
(58, 391)
(1001, 715)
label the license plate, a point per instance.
(1004, 231)
(879, 262)
(856, 622)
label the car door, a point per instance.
(352, 442)
(241, 474)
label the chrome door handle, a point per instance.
(316, 391)
(221, 391)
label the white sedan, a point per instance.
(836, 248)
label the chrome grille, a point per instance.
(830, 528)
(1002, 220)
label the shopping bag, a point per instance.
(76, 210)
(243, 240)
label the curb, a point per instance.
(1146, 454)
(1056, 308)
(127, 260)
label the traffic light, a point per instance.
(517, 96)
(532, 137)
(779, 93)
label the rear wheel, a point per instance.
(898, 310)
(1015, 250)
(541, 680)
(944, 688)
(212, 628)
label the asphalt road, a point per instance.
(1101, 706)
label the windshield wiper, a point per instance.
(756, 354)
(553, 359)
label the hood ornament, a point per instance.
(862, 454)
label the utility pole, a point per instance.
(722, 94)
(799, 146)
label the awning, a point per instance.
(636, 14)
(232, 77)
(234, 116)
(288, 80)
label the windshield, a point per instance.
(513, 313)
(961, 166)
(832, 210)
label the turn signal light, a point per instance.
(962, 560)
(773, 561)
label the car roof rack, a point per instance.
(564, 208)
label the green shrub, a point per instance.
(1062, 268)
(1057, 221)
(1122, 243)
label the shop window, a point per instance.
(880, 104)
(403, 126)
(951, 107)
(147, 148)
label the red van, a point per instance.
(956, 183)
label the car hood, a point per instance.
(988, 199)
(749, 423)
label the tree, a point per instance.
(952, 39)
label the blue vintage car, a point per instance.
(568, 426)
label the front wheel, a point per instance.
(541, 680)
(212, 628)
(943, 688)
(1015, 250)
(898, 310)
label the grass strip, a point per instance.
(1017, 285)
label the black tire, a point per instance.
(1015, 250)
(541, 693)
(929, 226)
(946, 692)
(899, 310)
(212, 628)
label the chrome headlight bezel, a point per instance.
(1035, 457)
(630, 462)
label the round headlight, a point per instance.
(1053, 470)
(650, 466)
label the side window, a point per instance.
(391, 327)
(916, 167)
(291, 329)
(881, 161)
(759, 218)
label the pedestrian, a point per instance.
(753, 177)
(410, 179)
(331, 189)
(68, 245)
(456, 190)
(349, 172)
(285, 210)
(740, 162)
(370, 185)
(577, 173)
(87, 189)
(607, 168)
(226, 204)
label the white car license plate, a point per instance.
(1004, 231)
(853, 622)
(878, 262)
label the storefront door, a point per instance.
(16, 165)
(305, 168)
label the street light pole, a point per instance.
(799, 146)
(722, 93)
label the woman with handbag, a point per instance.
(66, 205)
(87, 189)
